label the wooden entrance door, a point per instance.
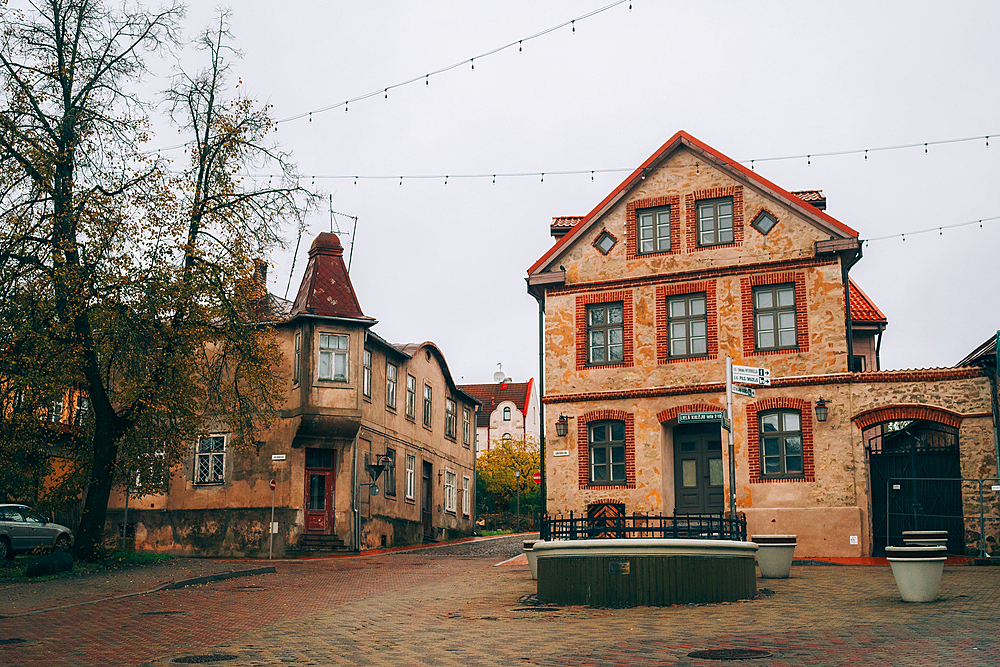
(698, 477)
(427, 501)
(319, 484)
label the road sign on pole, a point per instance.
(751, 375)
(744, 391)
(537, 477)
(699, 417)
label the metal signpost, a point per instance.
(742, 375)
(270, 528)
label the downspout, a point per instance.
(878, 348)
(845, 268)
(541, 402)
(356, 526)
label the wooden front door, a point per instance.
(605, 520)
(427, 501)
(319, 491)
(698, 476)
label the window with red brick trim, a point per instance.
(612, 421)
(653, 226)
(711, 211)
(774, 283)
(666, 319)
(604, 321)
(780, 437)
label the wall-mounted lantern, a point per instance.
(562, 426)
(821, 409)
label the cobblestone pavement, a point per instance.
(451, 606)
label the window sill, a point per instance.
(221, 483)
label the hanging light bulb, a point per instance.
(472, 61)
(573, 24)
(519, 49)
(386, 93)
(310, 116)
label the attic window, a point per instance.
(764, 222)
(605, 242)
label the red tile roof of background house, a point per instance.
(563, 223)
(492, 395)
(814, 197)
(864, 309)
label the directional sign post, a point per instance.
(751, 375)
(744, 391)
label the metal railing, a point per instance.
(683, 526)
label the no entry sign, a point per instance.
(274, 485)
(537, 478)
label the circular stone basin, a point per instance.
(645, 572)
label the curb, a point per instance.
(170, 585)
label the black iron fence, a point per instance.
(685, 526)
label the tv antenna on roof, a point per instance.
(498, 376)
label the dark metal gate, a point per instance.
(916, 482)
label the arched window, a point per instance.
(607, 452)
(781, 443)
(506, 437)
(506, 413)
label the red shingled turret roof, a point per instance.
(492, 395)
(326, 288)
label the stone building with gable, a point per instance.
(355, 403)
(509, 411)
(691, 259)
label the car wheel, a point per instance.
(6, 553)
(62, 543)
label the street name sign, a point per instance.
(699, 417)
(751, 375)
(744, 391)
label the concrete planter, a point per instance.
(925, 538)
(917, 571)
(532, 558)
(774, 555)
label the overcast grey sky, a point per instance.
(447, 262)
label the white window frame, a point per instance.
(466, 502)
(506, 413)
(391, 373)
(450, 418)
(466, 426)
(411, 464)
(55, 411)
(334, 349)
(366, 374)
(297, 358)
(214, 457)
(428, 405)
(450, 478)
(411, 396)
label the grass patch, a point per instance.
(12, 571)
(491, 533)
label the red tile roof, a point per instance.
(814, 197)
(864, 309)
(682, 138)
(326, 288)
(492, 395)
(563, 223)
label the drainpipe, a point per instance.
(355, 523)
(541, 404)
(845, 267)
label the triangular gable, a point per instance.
(818, 218)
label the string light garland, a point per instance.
(620, 170)
(426, 78)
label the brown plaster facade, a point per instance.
(317, 450)
(823, 493)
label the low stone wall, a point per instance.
(233, 533)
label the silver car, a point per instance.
(22, 530)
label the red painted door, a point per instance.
(319, 491)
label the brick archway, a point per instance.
(906, 412)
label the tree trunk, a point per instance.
(90, 533)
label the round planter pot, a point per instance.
(774, 555)
(532, 558)
(917, 571)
